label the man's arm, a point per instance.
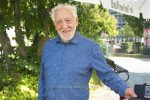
(41, 87)
(107, 75)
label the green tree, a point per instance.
(5, 16)
(31, 19)
(136, 24)
(126, 32)
(93, 20)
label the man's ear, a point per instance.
(77, 21)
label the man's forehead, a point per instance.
(64, 13)
(64, 9)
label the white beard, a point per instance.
(66, 38)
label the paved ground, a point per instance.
(139, 70)
(136, 65)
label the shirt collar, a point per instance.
(74, 40)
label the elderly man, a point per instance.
(68, 60)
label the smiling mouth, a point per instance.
(66, 31)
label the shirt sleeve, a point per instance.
(105, 73)
(41, 87)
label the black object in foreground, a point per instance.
(118, 69)
(142, 91)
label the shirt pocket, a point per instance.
(50, 62)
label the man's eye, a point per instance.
(68, 20)
(59, 22)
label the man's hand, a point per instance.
(129, 93)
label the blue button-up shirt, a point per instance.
(66, 70)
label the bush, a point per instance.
(25, 89)
(137, 47)
(95, 80)
(21, 82)
(126, 47)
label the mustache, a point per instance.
(66, 30)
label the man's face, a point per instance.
(65, 24)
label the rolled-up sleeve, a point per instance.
(105, 73)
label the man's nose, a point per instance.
(64, 24)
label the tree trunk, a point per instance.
(19, 36)
(34, 47)
(6, 47)
(41, 43)
(44, 25)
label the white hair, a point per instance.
(72, 8)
